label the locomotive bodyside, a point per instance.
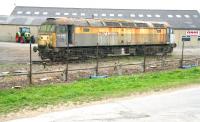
(119, 36)
(112, 36)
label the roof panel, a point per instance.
(38, 21)
(20, 21)
(175, 17)
(3, 18)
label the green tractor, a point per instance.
(24, 36)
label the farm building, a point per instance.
(184, 22)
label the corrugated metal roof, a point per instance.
(38, 21)
(176, 18)
(21, 20)
(18, 21)
(3, 19)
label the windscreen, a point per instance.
(47, 28)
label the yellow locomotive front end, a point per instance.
(47, 36)
(53, 37)
(46, 39)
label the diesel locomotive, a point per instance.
(62, 38)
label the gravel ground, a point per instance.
(15, 53)
(187, 51)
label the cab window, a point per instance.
(61, 29)
(47, 28)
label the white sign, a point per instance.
(193, 33)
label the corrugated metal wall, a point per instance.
(178, 35)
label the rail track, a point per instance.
(77, 60)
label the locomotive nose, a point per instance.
(43, 40)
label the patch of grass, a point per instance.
(93, 89)
(10, 65)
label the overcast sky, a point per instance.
(7, 6)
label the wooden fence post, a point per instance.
(182, 54)
(30, 70)
(97, 60)
(144, 60)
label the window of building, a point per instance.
(198, 38)
(170, 16)
(178, 16)
(132, 15)
(103, 15)
(149, 15)
(96, 15)
(28, 12)
(120, 15)
(74, 14)
(157, 15)
(45, 13)
(37, 12)
(19, 12)
(82, 14)
(66, 13)
(57, 13)
(112, 15)
(141, 15)
(187, 16)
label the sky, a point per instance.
(7, 6)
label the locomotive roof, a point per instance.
(106, 22)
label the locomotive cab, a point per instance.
(53, 36)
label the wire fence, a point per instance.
(47, 73)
